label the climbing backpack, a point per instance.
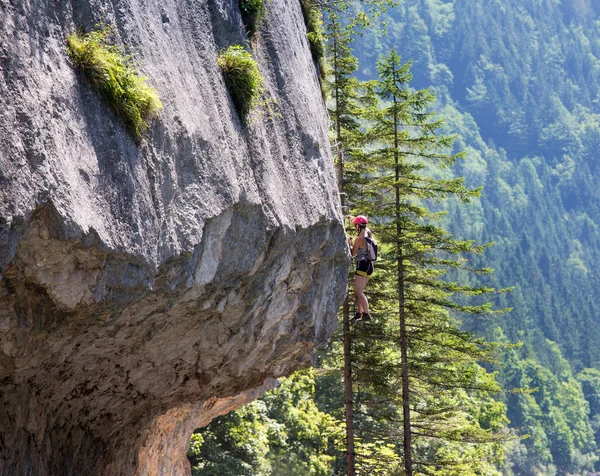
(371, 249)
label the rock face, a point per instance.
(146, 289)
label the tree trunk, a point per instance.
(402, 311)
(350, 457)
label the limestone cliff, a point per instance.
(146, 289)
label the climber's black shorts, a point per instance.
(364, 268)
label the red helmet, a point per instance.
(360, 220)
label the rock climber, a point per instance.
(364, 266)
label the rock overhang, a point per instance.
(169, 278)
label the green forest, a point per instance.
(467, 131)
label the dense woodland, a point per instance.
(516, 84)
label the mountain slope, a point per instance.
(518, 81)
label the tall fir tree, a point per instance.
(345, 114)
(430, 368)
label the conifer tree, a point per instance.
(344, 112)
(403, 142)
(429, 367)
(346, 109)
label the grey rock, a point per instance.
(146, 289)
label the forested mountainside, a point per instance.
(518, 81)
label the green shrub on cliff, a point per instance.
(115, 77)
(316, 45)
(314, 28)
(253, 12)
(242, 78)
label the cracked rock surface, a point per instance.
(146, 289)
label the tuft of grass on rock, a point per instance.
(115, 77)
(242, 77)
(253, 12)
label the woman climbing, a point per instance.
(364, 266)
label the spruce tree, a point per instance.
(343, 112)
(346, 108)
(429, 367)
